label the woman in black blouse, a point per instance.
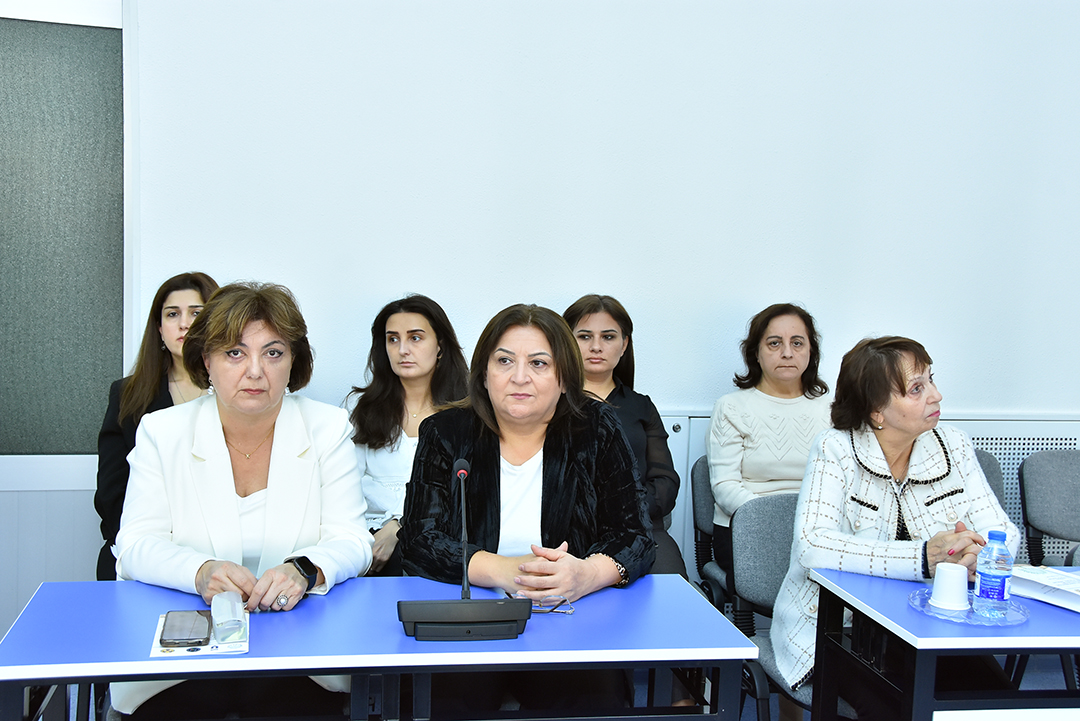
(158, 381)
(603, 331)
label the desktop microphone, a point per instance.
(467, 619)
(461, 472)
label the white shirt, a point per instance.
(520, 490)
(386, 471)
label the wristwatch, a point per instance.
(307, 569)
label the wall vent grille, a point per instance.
(1013, 441)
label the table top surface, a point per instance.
(101, 628)
(886, 601)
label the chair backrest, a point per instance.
(701, 491)
(1050, 497)
(992, 470)
(761, 533)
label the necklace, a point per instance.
(248, 455)
(418, 410)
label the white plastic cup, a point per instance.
(950, 587)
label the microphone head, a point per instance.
(461, 468)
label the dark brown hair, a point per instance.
(586, 305)
(869, 375)
(812, 384)
(228, 312)
(565, 353)
(377, 415)
(153, 360)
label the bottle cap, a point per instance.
(996, 536)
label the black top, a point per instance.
(115, 442)
(648, 440)
(592, 498)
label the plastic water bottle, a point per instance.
(993, 577)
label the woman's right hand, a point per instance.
(958, 546)
(384, 545)
(214, 577)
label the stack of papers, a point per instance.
(1050, 585)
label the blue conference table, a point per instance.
(103, 631)
(893, 648)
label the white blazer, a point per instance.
(181, 511)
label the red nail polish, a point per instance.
(951, 552)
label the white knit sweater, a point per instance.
(758, 445)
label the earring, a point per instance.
(210, 387)
(881, 428)
(288, 391)
(163, 345)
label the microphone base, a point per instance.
(466, 619)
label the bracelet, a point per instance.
(618, 567)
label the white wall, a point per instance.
(909, 168)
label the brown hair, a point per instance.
(227, 313)
(153, 360)
(587, 305)
(569, 368)
(812, 384)
(869, 375)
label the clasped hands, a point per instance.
(959, 546)
(215, 577)
(551, 572)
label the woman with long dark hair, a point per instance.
(414, 366)
(760, 435)
(603, 330)
(158, 380)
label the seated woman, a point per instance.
(760, 435)
(159, 380)
(249, 490)
(603, 331)
(554, 506)
(414, 365)
(888, 492)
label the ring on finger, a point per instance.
(283, 600)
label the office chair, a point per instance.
(761, 535)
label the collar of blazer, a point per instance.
(929, 461)
(289, 484)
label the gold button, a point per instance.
(858, 524)
(813, 608)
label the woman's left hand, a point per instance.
(277, 582)
(558, 573)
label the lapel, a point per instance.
(559, 489)
(211, 474)
(292, 471)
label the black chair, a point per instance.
(761, 534)
(713, 580)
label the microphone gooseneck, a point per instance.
(461, 472)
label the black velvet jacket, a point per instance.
(592, 497)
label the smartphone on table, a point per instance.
(186, 628)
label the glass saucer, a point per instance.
(920, 601)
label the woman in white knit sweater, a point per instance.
(760, 435)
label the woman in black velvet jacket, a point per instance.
(553, 501)
(526, 397)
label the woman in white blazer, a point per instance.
(249, 490)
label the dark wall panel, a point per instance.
(61, 233)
